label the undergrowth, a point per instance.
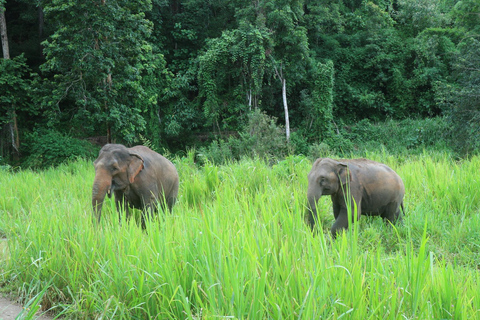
(236, 246)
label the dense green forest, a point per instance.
(174, 74)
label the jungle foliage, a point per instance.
(171, 72)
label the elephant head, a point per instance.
(327, 177)
(115, 169)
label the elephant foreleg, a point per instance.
(121, 204)
(343, 215)
(149, 209)
(336, 210)
(341, 223)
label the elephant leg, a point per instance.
(170, 202)
(343, 216)
(356, 207)
(166, 202)
(127, 211)
(355, 204)
(121, 203)
(147, 212)
(144, 224)
(163, 204)
(311, 217)
(336, 210)
(392, 213)
(341, 223)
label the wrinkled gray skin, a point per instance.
(138, 176)
(376, 189)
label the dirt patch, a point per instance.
(9, 310)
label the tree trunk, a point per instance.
(109, 133)
(249, 98)
(13, 123)
(41, 22)
(285, 107)
(15, 138)
(279, 73)
(3, 33)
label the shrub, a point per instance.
(261, 137)
(4, 166)
(399, 136)
(50, 148)
(319, 150)
(461, 99)
(218, 152)
(339, 143)
(299, 143)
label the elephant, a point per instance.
(138, 176)
(373, 187)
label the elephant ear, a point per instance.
(344, 173)
(135, 166)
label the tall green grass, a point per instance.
(237, 247)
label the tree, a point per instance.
(15, 88)
(3, 32)
(290, 50)
(373, 61)
(459, 95)
(466, 14)
(96, 58)
(319, 99)
(416, 16)
(7, 98)
(181, 30)
(268, 41)
(26, 30)
(231, 71)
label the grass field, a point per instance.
(236, 247)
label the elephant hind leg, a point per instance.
(170, 202)
(148, 213)
(393, 213)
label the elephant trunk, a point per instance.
(312, 207)
(101, 185)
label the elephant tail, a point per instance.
(403, 209)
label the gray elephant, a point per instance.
(376, 189)
(138, 176)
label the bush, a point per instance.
(339, 143)
(399, 136)
(261, 137)
(4, 166)
(299, 143)
(219, 152)
(461, 99)
(50, 148)
(319, 150)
